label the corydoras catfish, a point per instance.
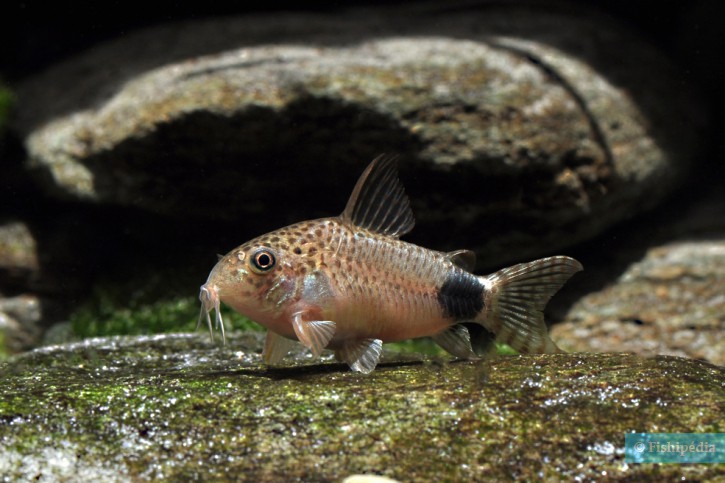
(348, 283)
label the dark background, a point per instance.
(36, 33)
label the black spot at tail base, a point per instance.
(461, 296)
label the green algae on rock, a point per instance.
(177, 407)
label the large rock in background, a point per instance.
(522, 129)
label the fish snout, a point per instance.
(209, 297)
(210, 302)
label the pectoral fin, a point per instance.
(361, 355)
(456, 341)
(315, 334)
(276, 348)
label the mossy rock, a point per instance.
(177, 407)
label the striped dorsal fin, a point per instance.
(379, 203)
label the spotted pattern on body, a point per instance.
(348, 283)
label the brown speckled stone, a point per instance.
(665, 287)
(671, 302)
(522, 128)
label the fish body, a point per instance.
(348, 283)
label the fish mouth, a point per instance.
(210, 301)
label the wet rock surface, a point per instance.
(178, 407)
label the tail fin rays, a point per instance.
(515, 301)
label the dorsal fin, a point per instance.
(465, 259)
(378, 202)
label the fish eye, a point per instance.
(263, 261)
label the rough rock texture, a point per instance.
(177, 408)
(671, 302)
(659, 289)
(18, 253)
(20, 327)
(522, 128)
(19, 312)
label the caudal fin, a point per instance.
(515, 300)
